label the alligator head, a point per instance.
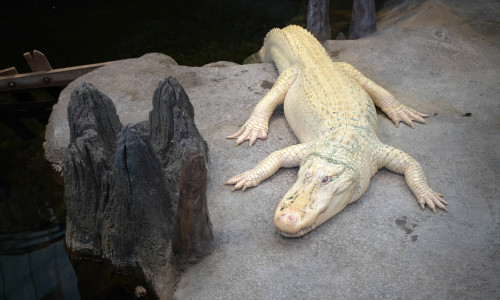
(325, 185)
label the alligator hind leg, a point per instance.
(285, 158)
(256, 126)
(402, 163)
(394, 109)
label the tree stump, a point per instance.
(122, 187)
(318, 19)
(362, 19)
(192, 239)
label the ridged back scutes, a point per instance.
(305, 39)
(294, 42)
(334, 96)
(278, 49)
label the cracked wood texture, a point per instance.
(193, 236)
(122, 192)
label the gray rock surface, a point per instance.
(440, 57)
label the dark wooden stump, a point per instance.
(173, 131)
(362, 19)
(88, 170)
(193, 235)
(122, 187)
(318, 19)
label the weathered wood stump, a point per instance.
(362, 19)
(318, 19)
(192, 239)
(122, 187)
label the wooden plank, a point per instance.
(45, 79)
(8, 71)
(37, 61)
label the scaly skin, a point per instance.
(330, 107)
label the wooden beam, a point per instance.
(8, 71)
(45, 79)
(37, 61)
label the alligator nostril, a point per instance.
(290, 217)
(288, 222)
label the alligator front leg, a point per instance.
(402, 163)
(286, 158)
(382, 98)
(256, 126)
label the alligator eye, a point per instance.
(325, 179)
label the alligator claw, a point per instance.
(246, 179)
(399, 112)
(252, 130)
(432, 200)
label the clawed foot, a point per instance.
(245, 180)
(399, 112)
(252, 130)
(431, 199)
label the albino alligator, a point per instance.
(330, 107)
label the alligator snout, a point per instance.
(289, 225)
(288, 217)
(294, 224)
(287, 222)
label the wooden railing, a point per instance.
(32, 95)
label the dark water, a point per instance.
(45, 273)
(33, 263)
